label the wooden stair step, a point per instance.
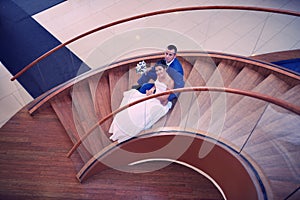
(246, 80)
(187, 68)
(85, 115)
(133, 77)
(221, 77)
(269, 150)
(280, 189)
(237, 124)
(275, 147)
(199, 74)
(249, 109)
(293, 95)
(278, 124)
(228, 70)
(62, 105)
(118, 84)
(99, 87)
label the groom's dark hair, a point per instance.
(171, 47)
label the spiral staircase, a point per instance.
(236, 122)
(247, 146)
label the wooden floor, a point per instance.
(33, 165)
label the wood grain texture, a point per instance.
(62, 105)
(267, 142)
(259, 66)
(118, 83)
(247, 79)
(275, 147)
(222, 76)
(33, 165)
(200, 73)
(99, 88)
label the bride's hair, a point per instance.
(160, 64)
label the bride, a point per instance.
(131, 121)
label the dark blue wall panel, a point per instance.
(23, 40)
(292, 64)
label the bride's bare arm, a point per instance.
(163, 99)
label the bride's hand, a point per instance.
(163, 99)
(149, 92)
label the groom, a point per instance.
(174, 70)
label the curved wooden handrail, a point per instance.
(39, 101)
(273, 100)
(243, 59)
(222, 158)
(248, 8)
(42, 99)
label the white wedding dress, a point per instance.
(131, 121)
